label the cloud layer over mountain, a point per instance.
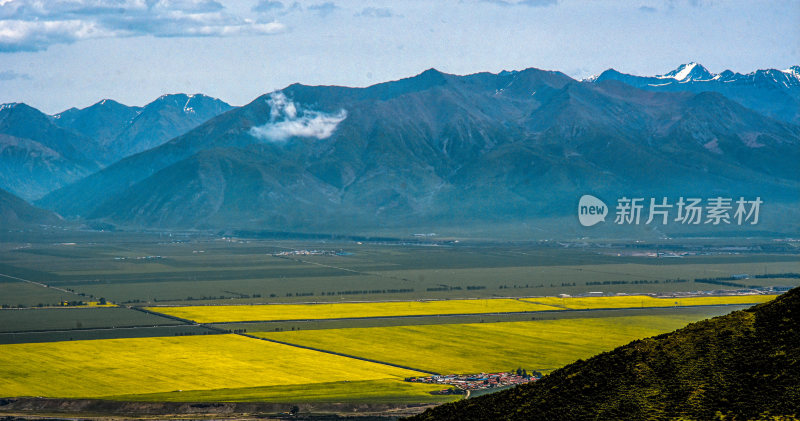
(32, 26)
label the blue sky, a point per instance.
(58, 54)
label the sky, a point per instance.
(59, 54)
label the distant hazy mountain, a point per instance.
(122, 130)
(40, 153)
(103, 121)
(775, 93)
(17, 213)
(36, 156)
(441, 150)
(742, 366)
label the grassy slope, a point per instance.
(743, 365)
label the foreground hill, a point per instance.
(744, 365)
(16, 213)
(439, 150)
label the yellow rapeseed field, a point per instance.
(634, 301)
(481, 347)
(100, 368)
(369, 391)
(241, 313)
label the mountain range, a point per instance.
(741, 366)
(775, 93)
(123, 131)
(40, 153)
(436, 151)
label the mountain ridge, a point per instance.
(124, 130)
(410, 150)
(772, 92)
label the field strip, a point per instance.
(327, 266)
(245, 313)
(513, 313)
(357, 272)
(541, 345)
(111, 367)
(37, 283)
(645, 301)
(338, 353)
(446, 308)
(92, 329)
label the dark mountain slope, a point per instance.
(163, 119)
(744, 365)
(123, 131)
(227, 129)
(36, 156)
(16, 213)
(103, 121)
(23, 121)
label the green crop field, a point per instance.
(13, 320)
(17, 293)
(482, 347)
(186, 269)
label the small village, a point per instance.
(482, 381)
(311, 253)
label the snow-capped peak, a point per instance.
(591, 78)
(793, 71)
(688, 72)
(9, 105)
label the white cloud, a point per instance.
(18, 35)
(30, 25)
(286, 120)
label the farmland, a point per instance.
(486, 347)
(369, 391)
(204, 269)
(75, 318)
(215, 314)
(212, 314)
(433, 306)
(632, 301)
(101, 368)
